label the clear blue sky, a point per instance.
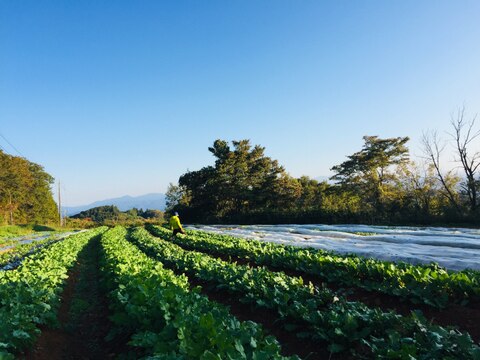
(122, 97)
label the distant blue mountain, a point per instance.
(155, 201)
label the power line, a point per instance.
(13, 147)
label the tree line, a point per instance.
(25, 192)
(111, 215)
(378, 184)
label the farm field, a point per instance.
(137, 293)
(11, 235)
(453, 248)
(14, 249)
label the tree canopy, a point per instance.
(111, 215)
(371, 172)
(25, 192)
(377, 184)
(242, 180)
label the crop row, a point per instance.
(428, 284)
(29, 295)
(14, 239)
(166, 319)
(7, 242)
(12, 258)
(346, 326)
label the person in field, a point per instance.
(175, 225)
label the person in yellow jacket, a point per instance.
(175, 225)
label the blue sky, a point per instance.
(122, 97)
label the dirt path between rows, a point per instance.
(83, 316)
(52, 343)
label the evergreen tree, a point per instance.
(371, 172)
(243, 180)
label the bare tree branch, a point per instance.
(464, 134)
(433, 147)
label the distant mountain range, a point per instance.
(154, 201)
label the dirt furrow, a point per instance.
(83, 316)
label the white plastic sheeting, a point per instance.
(453, 248)
(27, 239)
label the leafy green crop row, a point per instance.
(430, 284)
(7, 242)
(10, 231)
(29, 295)
(21, 250)
(168, 320)
(346, 326)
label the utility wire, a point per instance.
(13, 147)
(5, 150)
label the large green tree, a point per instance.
(25, 192)
(312, 194)
(371, 172)
(378, 184)
(243, 180)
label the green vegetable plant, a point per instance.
(346, 326)
(30, 295)
(18, 251)
(166, 319)
(428, 284)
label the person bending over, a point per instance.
(175, 225)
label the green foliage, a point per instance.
(346, 326)
(29, 295)
(18, 251)
(111, 215)
(99, 214)
(377, 184)
(176, 196)
(18, 230)
(25, 194)
(242, 180)
(428, 284)
(166, 318)
(370, 172)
